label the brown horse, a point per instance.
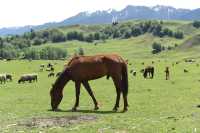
(82, 69)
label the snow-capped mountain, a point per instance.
(106, 16)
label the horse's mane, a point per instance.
(62, 79)
(72, 59)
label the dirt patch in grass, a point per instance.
(56, 121)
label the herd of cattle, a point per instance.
(5, 77)
(148, 72)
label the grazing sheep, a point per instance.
(2, 78)
(133, 72)
(49, 65)
(51, 74)
(9, 77)
(50, 69)
(142, 70)
(58, 74)
(185, 71)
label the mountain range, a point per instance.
(106, 16)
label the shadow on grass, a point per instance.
(89, 111)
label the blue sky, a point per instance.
(34, 12)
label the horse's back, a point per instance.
(93, 67)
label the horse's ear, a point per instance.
(126, 61)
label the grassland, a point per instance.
(156, 105)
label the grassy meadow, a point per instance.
(156, 105)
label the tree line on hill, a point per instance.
(10, 46)
(158, 47)
(196, 24)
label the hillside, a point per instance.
(131, 38)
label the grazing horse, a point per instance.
(167, 73)
(148, 71)
(82, 69)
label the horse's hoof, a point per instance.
(74, 109)
(56, 110)
(96, 108)
(115, 109)
(125, 110)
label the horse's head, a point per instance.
(56, 97)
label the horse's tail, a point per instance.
(124, 79)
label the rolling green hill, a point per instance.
(139, 47)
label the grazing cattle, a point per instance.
(2, 78)
(167, 73)
(58, 74)
(185, 71)
(51, 74)
(82, 69)
(148, 71)
(189, 60)
(27, 77)
(9, 59)
(9, 77)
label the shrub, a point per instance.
(156, 48)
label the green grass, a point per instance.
(156, 105)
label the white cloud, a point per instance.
(33, 12)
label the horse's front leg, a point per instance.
(77, 87)
(89, 90)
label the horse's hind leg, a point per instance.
(125, 102)
(77, 86)
(89, 90)
(117, 83)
